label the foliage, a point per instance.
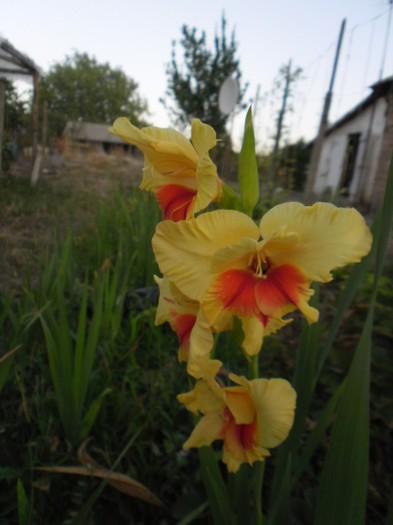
(137, 426)
(15, 123)
(194, 85)
(80, 88)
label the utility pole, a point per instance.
(316, 152)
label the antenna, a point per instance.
(228, 95)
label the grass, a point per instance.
(76, 272)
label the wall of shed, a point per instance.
(334, 149)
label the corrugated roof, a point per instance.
(91, 132)
(379, 89)
(14, 64)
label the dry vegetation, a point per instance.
(64, 199)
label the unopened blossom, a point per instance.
(178, 171)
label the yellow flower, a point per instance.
(180, 173)
(250, 418)
(232, 267)
(189, 323)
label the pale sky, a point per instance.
(137, 36)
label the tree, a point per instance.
(194, 86)
(82, 89)
(284, 81)
(16, 122)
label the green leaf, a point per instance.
(343, 487)
(92, 414)
(325, 419)
(344, 480)
(238, 488)
(23, 504)
(216, 490)
(279, 512)
(9, 473)
(248, 169)
(229, 200)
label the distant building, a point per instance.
(89, 136)
(356, 150)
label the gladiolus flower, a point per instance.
(232, 267)
(180, 173)
(250, 418)
(193, 332)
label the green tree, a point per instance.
(194, 85)
(16, 123)
(79, 88)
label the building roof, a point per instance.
(13, 63)
(379, 89)
(91, 132)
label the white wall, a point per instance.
(333, 153)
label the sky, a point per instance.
(138, 36)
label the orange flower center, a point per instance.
(260, 291)
(237, 438)
(182, 326)
(175, 201)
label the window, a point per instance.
(349, 163)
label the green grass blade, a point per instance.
(343, 487)
(23, 504)
(193, 514)
(303, 383)
(279, 513)
(92, 413)
(238, 488)
(78, 368)
(344, 480)
(324, 421)
(219, 502)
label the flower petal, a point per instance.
(154, 142)
(206, 431)
(254, 331)
(184, 249)
(240, 404)
(282, 290)
(322, 237)
(275, 402)
(203, 398)
(176, 202)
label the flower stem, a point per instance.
(259, 472)
(259, 468)
(254, 367)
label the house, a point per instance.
(356, 150)
(89, 136)
(15, 65)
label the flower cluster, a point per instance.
(219, 266)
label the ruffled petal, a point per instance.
(203, 398)
(254, 331)
(206, 431)
(275, 402)
(240, 404)
(176, 202)
(201, 344)
(184, 249)
(171, 300)
(315, 239)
